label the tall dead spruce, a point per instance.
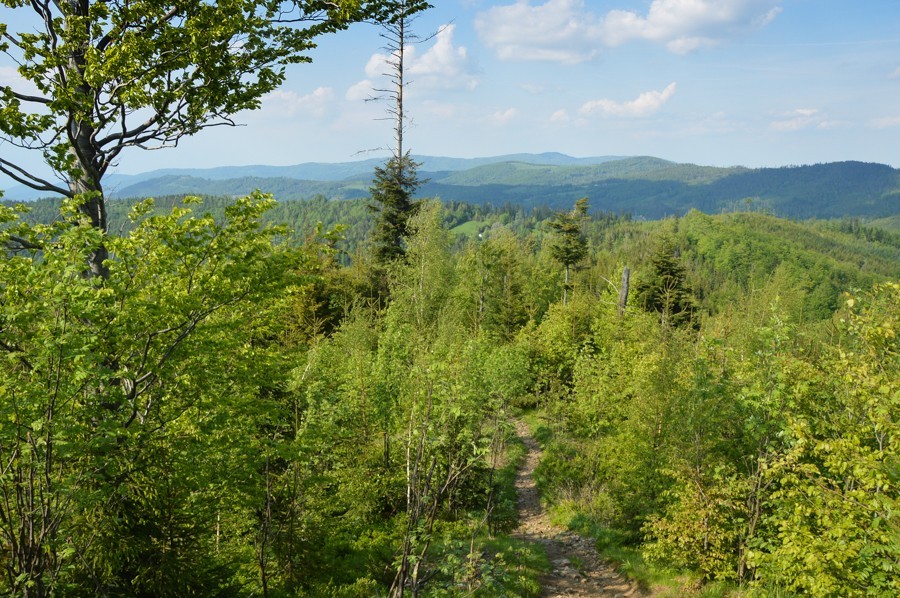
(395, 182)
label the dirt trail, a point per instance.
(577, 568)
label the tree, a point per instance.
(569, 246)
(832, 518)
(396, 181)
(666, 291)
(101, 77)
(113, 396)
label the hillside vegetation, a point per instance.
(735, 422)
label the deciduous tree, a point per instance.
(98, 78)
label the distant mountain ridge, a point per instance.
(338, 171)
(119, 184)
(643, 186)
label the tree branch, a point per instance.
(27, 98)
(21, 244)
(20, 175)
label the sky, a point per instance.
(713, 82)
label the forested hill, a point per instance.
(653, 188)
(641, 186)
(712, 426)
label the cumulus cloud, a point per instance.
(645, 104)
(502, 117)
(685, 25)
(443, 65)
(560, 116)
(363, 90)
(802, 118)
(896, 73)
(558, 30)
(290, 102)
(567, 31)
(378, 65)
(887, 122)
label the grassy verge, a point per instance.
(559, 462)
(474, 559)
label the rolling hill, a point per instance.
(642, 186)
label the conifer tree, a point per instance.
(392, 201)
(396, 181)
(569, 246)
(667, 291)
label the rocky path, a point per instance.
(577, 568)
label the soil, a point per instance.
(578, 569)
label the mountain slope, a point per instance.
(642, 186)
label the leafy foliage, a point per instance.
(303, 439)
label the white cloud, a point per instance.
(803, 118)
(503, 116)
(682, 24)
(290, 103)
(767, 18)
(557, 31)
(560, 116)
(364, 90)
(887, 122)
(567, 31)
(10, 77)
(378, 65)
(442, 66)
(896, 73)
(645, 104)
(686, 45)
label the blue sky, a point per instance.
(713, 82)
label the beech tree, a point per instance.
(108, 394)
(100, 77)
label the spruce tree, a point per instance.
(666, 291)
(392, 193)
(569, 246)
(396, 181)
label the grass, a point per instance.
(496, 564)
(469, 229)
(615, 546)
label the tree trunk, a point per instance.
(623, 291)
(89, 161)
